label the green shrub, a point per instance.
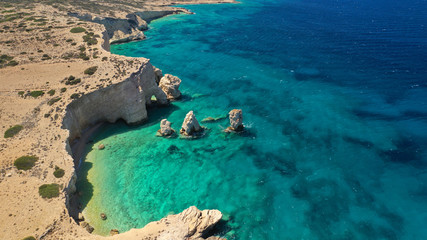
(75, 96)
(13, 131)
(77, 30)
(104, 58)
(29, 238)
(82, 48)
(53, 100)
(72, 80)
(63, 89)
(91, 70)
(49, 190)
(51, 92)
(25, 162)
(69, 40)
(12, 63)
(46, 57)
(59, 172)
(6, 57)
(36, 94)
(21, 93)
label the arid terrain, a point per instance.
(53, 53)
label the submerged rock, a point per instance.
(190, 125)
(211, 119)
(87, 226)
(236, 120)
(114, 232)
(101, 146)
(170, 84)
(165, 128)
(103, 216)
(208, 119)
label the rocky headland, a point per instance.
(58, 79)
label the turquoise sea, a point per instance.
(334, 100)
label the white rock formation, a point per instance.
(165, 128)
(190, 125)
(236, 120)
(190, 224)
(170, 84)
(125, 100)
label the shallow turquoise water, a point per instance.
(335, 125)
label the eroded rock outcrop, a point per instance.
(170, 84)
(190, 126)
(159, 74)
(165, 128)
(130, 27)
(190, 224)
(125, 100)
(236, 120)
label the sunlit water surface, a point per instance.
(334, 101)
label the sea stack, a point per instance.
(165, 128)
(236, 121)
(158, 73)
(170, 84)
(190, 125)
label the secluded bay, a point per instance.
(334, 101)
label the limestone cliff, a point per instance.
(189, 224)
(130, 27)
(125, 100)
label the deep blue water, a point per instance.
(334, 96)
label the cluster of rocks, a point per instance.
(191, 127)
(169, 84)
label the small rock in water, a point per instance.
(165, 128)
(103, 216)
(190, 125)
(236, 120)
(81, 217)
(101, 146)
(114, 232)
(208, 119)
(170, 84)
(86, 226)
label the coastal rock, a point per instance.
(159, 74)
(101, 146)
(81, 217)
(103, 216)
(212, 119)
(165, 128)
(190, 125)
(236, 120)
(125, 100)
(87, 226)
(114, 232)
(170, 84)
(199, 222)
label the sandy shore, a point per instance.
(41, 54)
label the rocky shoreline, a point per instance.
(120, 89)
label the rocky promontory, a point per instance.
(61, 79)
(190, 126)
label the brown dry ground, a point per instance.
(38, 37)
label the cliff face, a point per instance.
(130, 27)
(191, 224)
(125, 100)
